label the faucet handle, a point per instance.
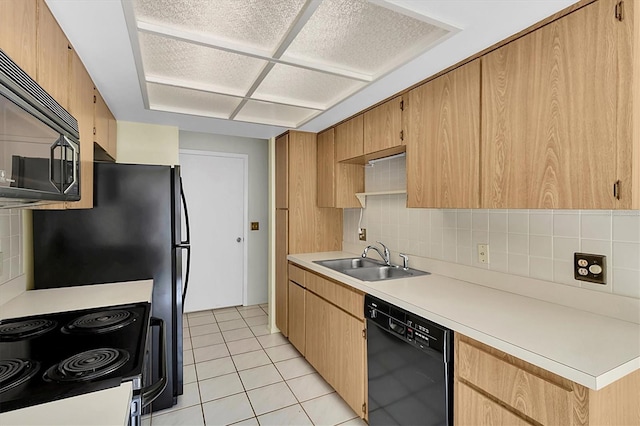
(405, 260)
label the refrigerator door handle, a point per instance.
(185, 244)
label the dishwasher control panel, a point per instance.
(418, 331)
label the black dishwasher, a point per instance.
(409, 366)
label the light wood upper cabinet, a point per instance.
(326, 169)
(383, 126)
(112, 144)
(81, 107)
(337, 182)
(18, 20)
(442, 120)
(53, 56)
(350, 139)
(102, 115)
(550, 115)
(282, 172)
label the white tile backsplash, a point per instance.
(531, 243)
(11, 244)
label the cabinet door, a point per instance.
(53, 56)
(443, 140)
(382, 126)
(549, 111)
(282, 286)
(282, 172)
(101, 122)
(304, 226)
(18, 33)
(337, 182)
(326, 169)
(474, 409)
(81, 107)
(296, 316)
(350, 139)
(112, 127)
(336, 349)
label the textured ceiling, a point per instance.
(275, 62)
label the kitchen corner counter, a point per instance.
(590, 349)
(106, 407)
(96, 409)
(35, 302)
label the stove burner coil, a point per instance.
(100, 322)
(87, 365)
(16, 371)
(19, 330)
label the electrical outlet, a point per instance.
(590, 267)
(483, 253)
(363, 234)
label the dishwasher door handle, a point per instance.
(396, 327)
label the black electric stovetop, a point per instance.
(54, 356)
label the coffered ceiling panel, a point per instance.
(196, 66)
(361, 36)
(304, 87)
(270, 113)
(256, 23)
(277, 62)
(188, 101)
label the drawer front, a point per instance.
(530, 395)
(475, 409)
(297, 275)
(350, 300)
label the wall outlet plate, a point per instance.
(590, 267)
(483, 253)
(362, 236)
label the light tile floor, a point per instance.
(236, 372)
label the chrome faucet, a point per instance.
(384, 256)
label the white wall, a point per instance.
(529, 243)
(141, 143)
(258, 241)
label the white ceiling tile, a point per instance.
(287, 84)
(275, 114)
(193, 64)
(258, 23)
(361, 36)
(187, 101)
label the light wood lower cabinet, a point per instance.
(297, 318)
(482, 411)
(494, 388)
(335, 347)
(282, 282)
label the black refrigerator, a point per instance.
(133, 232)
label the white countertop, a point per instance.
(35, 302)
(106, 407)
(590, 349)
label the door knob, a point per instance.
(238, 239)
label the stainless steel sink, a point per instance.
(341, 265)
(369, 270)
(383, 273)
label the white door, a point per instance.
(215, 189)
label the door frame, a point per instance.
(245, 189)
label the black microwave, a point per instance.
(39, 143)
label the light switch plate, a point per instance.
(483, 253)
(590, 267)
(362, 236)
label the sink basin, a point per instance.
(368, 270)
(383, 273)
(341, 265)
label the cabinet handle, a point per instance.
(619, 11)
(616, 190)
(401, 135)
